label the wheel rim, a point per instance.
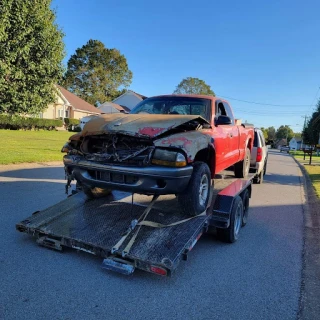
(238, 217)
(203, 190)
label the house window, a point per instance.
(60, 113)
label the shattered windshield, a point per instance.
(175, 105)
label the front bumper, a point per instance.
(146, 180)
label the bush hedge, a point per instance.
(72, 124)
(18, 122)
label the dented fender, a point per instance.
(190, 142)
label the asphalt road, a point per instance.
(257, 277)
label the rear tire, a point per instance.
(259, 178)
(241, 168)
(194, 200)
(231, 234)
(265, 167)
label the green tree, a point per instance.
(311, 131)
(193, 86)
(271, 133)
(31, 53)
(285, 132)
(265, 132)
(96, 73)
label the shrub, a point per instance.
(18, 122)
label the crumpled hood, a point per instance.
(144, 125)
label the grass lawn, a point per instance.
(31, 146)
(314, 173)
(313, 169)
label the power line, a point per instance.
(264, 113)
(314, 98)
(267, 104)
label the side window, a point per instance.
(255, 140)
(220, 110)
(229, 112)
(263, 143)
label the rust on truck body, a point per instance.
(143, 125)
(190, 142)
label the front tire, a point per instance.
(241, 168)
(194, 200)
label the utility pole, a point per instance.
(304, 125)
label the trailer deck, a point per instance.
(152, 236)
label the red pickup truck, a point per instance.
(171, 144)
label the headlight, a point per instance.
(168, 158)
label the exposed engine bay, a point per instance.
(117, 148)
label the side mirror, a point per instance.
(223, 120)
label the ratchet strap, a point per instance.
(160, 225)
(155, 225)
(134, 223)
(141, 222)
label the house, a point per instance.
(129, 99)
(110, 107)
(280, 143)
(68, 105)
(295, 143)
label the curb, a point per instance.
(309, 304)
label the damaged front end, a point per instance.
(133, 160)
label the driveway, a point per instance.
(257, 277)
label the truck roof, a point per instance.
(190, 96)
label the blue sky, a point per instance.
(260, 51)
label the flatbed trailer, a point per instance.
(149, 235)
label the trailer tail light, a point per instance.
(158, 270)
(259, 155)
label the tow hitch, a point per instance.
(50, 243)
(118, 265)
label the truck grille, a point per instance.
(113, 177)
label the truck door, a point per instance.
(222, 139)
(234, 136)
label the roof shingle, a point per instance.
(78, 103)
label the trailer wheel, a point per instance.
(245, 201)
(241, 168)
(231, 234)
(194, 199)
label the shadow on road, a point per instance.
(35, 173)
(281, 179)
